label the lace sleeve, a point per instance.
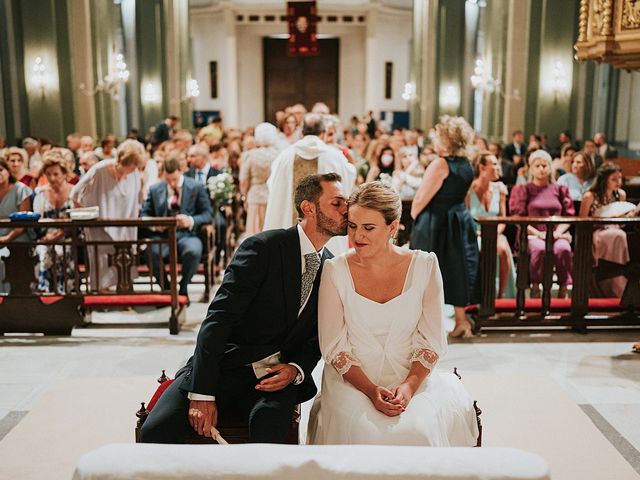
(429, 342)
(343, 361)
(427, 358)
(332, 331)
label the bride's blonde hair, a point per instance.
(379, 197)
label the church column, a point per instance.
(450, 57)
(423, 63)
(14, 99)
(151, 66)
(178, 48)
(492, 42)
(82, 61)
(515, 82)
(551, 102)
(372, 76)
(44, 48)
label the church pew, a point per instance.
(24, 310)
(580, 311)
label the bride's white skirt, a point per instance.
(441, 414)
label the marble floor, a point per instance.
(597, 370)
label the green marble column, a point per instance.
(44, 39)
(551, 99)
(450, 57)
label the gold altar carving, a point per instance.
(609, 31)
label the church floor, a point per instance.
(593, 378)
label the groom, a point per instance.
(258, 344)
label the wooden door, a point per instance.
(305, 80)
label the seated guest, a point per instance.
(407, 179)
(201, 170)
(580, 176)
(591, 150)
(107, 148)
(542, 197)
(53, 201)
(609, 241)
(17, 158)
(14, 197)
(185, 199)
(87, 160)
(487, 197)
(562, 164)
(384, 164)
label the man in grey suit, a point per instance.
(187, 200)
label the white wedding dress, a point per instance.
(384, 339)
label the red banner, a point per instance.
(303, 22)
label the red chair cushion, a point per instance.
(111, 301)
(158, 393)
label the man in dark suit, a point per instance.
(201, 171)
(516, 147)
(188, 201)
(164, 130)
(258, 344)
(605, 150)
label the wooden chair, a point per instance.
(233, 430)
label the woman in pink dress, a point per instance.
(542, 197)
(609, 241)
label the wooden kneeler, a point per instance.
(477, 409)
(233, 430)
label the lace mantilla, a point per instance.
(428, 358)
(343, 361)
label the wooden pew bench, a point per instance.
(25, 310)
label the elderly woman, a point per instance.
(18, 158)
(53, 201)
(117, 188)
(443, 224)
(254, 172)
(14, 197)
(542, 197)
(609, 241)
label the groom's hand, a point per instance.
(280, 376)
(203, 414)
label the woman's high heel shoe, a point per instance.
(462, 330)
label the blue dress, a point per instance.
(446, 228)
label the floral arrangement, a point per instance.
(221, 189)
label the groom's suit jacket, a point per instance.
(255, 314)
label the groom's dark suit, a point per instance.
(253, 315)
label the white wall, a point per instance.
(208, 45)
(391, 43)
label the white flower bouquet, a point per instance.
(221, 189)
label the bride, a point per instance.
(380, 320)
